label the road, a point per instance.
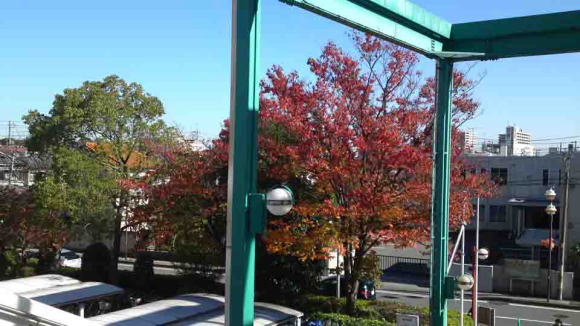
(506, 313)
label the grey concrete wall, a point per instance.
(501, 283)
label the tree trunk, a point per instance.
(353, 280)
(351, 296)
(351, 275)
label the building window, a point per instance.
(497, 213)
(499, 175)
(545, 177)
(481, 212)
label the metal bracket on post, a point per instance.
(257, 208)
(450, 287)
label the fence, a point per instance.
(417, 266)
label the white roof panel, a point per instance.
(31, 312)
(190, 309)
(33, 283)
(67, 294)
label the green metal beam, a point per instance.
(400, 22)
(519, 36)
(440, 199)
(411, 15)
(242, 164)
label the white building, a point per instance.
(516, 142)
(469, 140)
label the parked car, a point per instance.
(68, 258)
(366, 288)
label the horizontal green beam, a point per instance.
(351, 13)
(411, 15)
(520, 36)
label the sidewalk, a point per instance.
(420, 286)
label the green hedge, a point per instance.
(372, 311)
(345, 320)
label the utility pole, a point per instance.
(11, 171)
(564, 221)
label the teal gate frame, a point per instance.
(406, 24)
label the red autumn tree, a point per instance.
(360, 137)
(25, 225)
(186, 196)
(355, 145)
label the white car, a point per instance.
(67, 258)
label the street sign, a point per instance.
(407, 320)
(486, 316)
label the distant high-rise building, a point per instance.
(516, 142)
(469, 140)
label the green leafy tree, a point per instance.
(113, 121)
(79, 188)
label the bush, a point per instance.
(143, 270)
(454, 319)
(9, 264)
(346, 320)
(96, 263)
(282, 276)
(381, 311)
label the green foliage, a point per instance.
(199, 255)
(285, 276)
(96, 263)
(9, 264)
(80, 189)
(574, 257)
(111, 111)
(102, 128)
(346, 320)
(370, 268)
(13, 265)
(372, 311)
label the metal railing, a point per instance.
(417, 266)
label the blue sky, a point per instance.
(180, 51)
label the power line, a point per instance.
(557, 138)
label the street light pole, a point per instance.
(550, 256)
(475, 267)
(242, 163)
(550, 195)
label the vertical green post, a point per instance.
(440, 198)
(242, 164)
